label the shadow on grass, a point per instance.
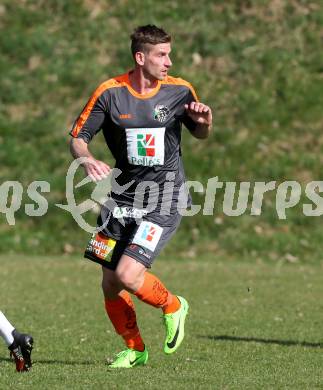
(286, 343)
(62, 362)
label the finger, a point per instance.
(96, 175)
(101, 168)
(201, 108)
(101, 175)
(197, 107)
(94, 172)
(104, 176)
(97, 171)
(186, 106)
(105, 169)
(92, 177)
(89, 172)
(192, 106)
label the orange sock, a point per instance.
(156, 294)
(121, 312)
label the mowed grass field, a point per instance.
(251, 326)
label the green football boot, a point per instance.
(129, 358)
(174, 323)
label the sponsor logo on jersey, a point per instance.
(148, 235)
(128, 212)
(146, 162)
(161, 113)
(125, 116)
(145, 146)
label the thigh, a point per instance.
(107, 246)
(149, 239)
(105, 250)
(142, 242)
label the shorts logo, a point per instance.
(101, 246)
(148, 235)
(161, 113)
(146, 147)
(138, 249)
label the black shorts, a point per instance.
(141, 239)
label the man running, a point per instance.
(140, 113)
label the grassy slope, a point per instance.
(256, 326)
(256, 63)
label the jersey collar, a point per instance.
(133, 92)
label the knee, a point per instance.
(129, 281)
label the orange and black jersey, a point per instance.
(143, 132)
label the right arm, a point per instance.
(84, 129)
(95, 169)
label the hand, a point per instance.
(199, 112)
(96, 170)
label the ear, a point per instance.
(140, 58)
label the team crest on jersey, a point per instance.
(161, 112)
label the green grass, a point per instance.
(255, 292)
(256, 63)
(251, 326)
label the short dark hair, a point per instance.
(149, 34)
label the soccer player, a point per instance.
(140, 114)
(20, 345)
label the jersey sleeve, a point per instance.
(191, 97)
(90, 121)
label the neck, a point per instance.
(141, 82)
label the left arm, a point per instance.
(201, 114)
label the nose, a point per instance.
(168, 62)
